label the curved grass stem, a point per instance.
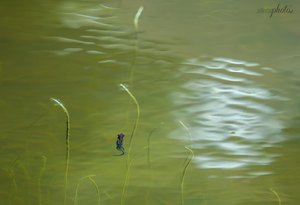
(136, 18)
(93, 182)
(44, 158)
(136, 47)
(136, 26)
(130, 141)
(148, 147)
(12, 174)
(188, 161)
(136, 120)
(125, 183)
(57, 102)
(276, 194)
(187, 129)
(97, 188)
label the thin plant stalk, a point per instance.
(125, 183)
(276, 194)
(136, 120)
(97, 189)
(57, 102)
(12, 175)
(149, 162)
(94, 183)
(44, 158)
(14, 188)
(130, 141)
(149, 146)
(187, 129)
(136, 18)
(136, 28)
(188, 161)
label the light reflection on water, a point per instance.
(230, 121)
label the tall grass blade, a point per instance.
(15, 190)
(44, 158)
(125, 183)
(57, 102)
(136, 47)
(149, 163)
(136, 26)
(97, 189)
(130, 141)
(93, 182)
(136, 120)
(277, 195)
(187, 129)
(136, 18)
(149, 147)
(188, 161)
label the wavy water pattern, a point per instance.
(97, 32)
(227, 106)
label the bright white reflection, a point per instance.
(228, 109)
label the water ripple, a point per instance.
(225, 99)
(99, 37)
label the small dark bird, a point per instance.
(119, 143)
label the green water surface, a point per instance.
(216, 77)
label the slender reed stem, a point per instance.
(188, 161)
(149, 146)
(44, 158)
(14, 189)
(12, 173)
(97, 189)
(136, 18)
(57, 102)
(136, 120)
(125, 183)
(136, 28)
(130, 141)
(135, 22)
(93, 182)
(277, 196)
(149, 163)
(187, 129)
